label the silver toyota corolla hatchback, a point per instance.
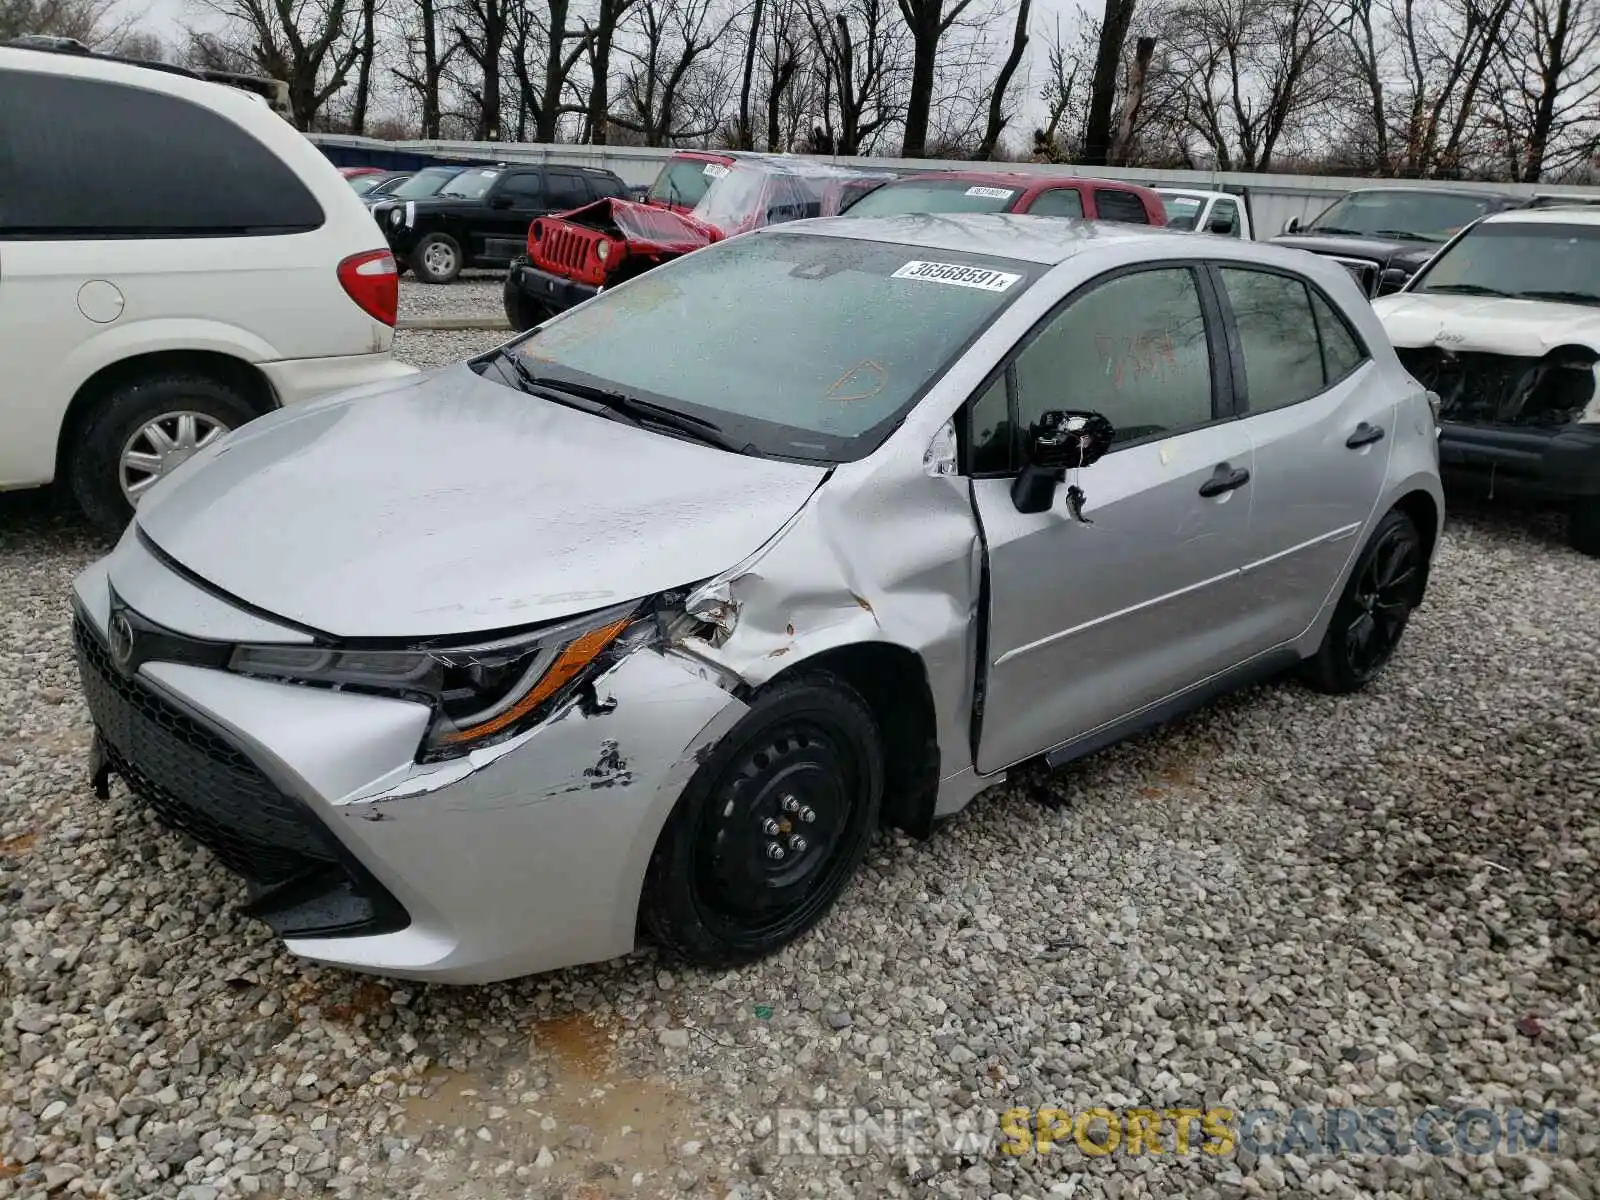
(644, 623)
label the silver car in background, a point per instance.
(644, 623)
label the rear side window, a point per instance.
(1342, 351)
(1119, 206)
(563, 191)
(606, 185)
(1278, 337)
(525, 190)
(82, 158)
(1057, 202)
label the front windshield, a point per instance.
(751, 195)
(683, 181)
(470, 185)
(365, 183)
(1182, 211)
(1531, 260)
(934, 196)
(1406, 215)
(425, 183)
(801, 347)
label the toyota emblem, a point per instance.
(120, 635)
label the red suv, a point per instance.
(1014, 192)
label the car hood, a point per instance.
(1378, 249)
(454, 505)
(1524, 328)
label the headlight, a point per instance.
(395, 217)
(480, 694)
(603, 251)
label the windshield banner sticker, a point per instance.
(953, 273)
(715, 170)
(991, 193)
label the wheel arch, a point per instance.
(243, 376)
(1428, 516)
(893, 680)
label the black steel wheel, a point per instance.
(772, 826)
(1383, 589)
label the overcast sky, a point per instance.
(168, 18)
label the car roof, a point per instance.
(1553, 214)
(1018, 179)
(1464, 193)
(1044, 240)
(1201, 192)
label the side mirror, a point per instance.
(1057, 442)
(1222, 225)
(501, 201)
(1292, 225)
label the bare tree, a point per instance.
(600, 37)
(542, 41)
(783, 57)
(1132, 102)
(424, 61)
(998, 117)
(481, 30)
(1446, 48)
(93, 22)
(309, 44)
(674, 36)
(365, 55)
(1548, 79)
(1247, 70)
(927, 21)
(862, 50)
(1114, 26)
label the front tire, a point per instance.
(802, 771)
(1583, 527)
(522, 313)
(1378, 598)
(142, 430)
(437, 258)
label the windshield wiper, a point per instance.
(632, 409)
(1333, 229)
(1559, 295)
(1406, 235)
(1464, 289)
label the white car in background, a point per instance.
(175, 260)
(1206, 212)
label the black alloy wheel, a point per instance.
(1383, 589)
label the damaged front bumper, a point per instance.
(1516, 423)
(520, 858)
(543, 288)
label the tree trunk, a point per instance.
(358, 118)
(924, 64)
(549, 114)
(1103, 92)
(1133, 101)
(997, 98)
(432, 68)
(746, 133)
(600, 69)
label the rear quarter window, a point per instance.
(83, 158)
(1119, 206)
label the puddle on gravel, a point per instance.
(603, 1125)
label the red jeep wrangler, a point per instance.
(572, 256)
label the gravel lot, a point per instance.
(475, 294)
(1286, 899)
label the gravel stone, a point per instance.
(474, 294)
(1283, 900)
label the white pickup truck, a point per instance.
(1206, 212)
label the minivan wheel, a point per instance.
(437, 258)
(139, 433)
(1378, 599)
(1583, 527)
(771, 828)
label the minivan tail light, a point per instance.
(373, 282)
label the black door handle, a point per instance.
(1364, 435)
(1226, 479)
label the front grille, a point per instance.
(198, 783)
(566, 248)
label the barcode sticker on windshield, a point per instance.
(954, 273)
(991, 193)
(715, 170)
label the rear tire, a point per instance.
(802, 771)
(437, 258)
(1583, 527)
(1383, 589)
(116, 429)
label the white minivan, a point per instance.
(175, 260)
